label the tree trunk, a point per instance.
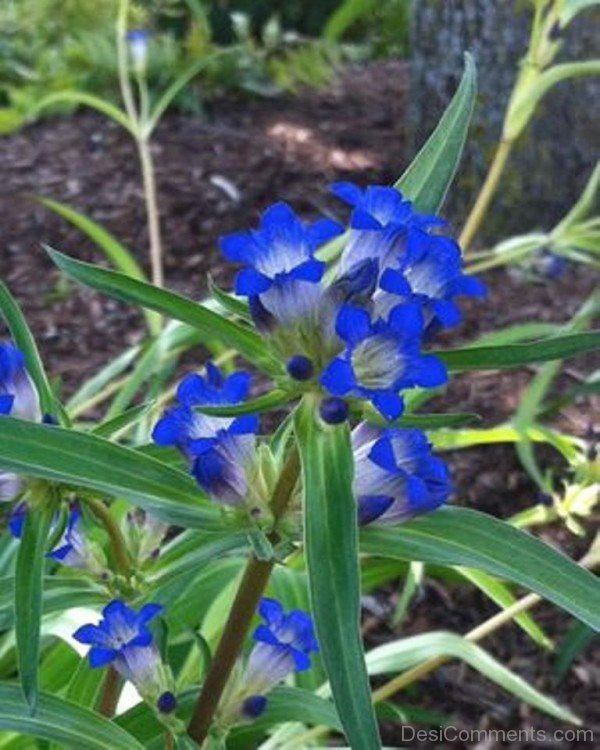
(554, 156)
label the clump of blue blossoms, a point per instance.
(358, 327)
(222, 452)
(19, 399)
(283, 645)
(123, 640)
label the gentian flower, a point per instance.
(18, 398)
(123, 640)
(381, 358)
(221, 451)
(281, 274)
(137, 40)
(413, 263)
(16, 520)
(396, 475)
(283, 646)
(75, 550)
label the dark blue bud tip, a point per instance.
(254, 706)
(166, 703)
(545, 499)
(333, 410)
(300, 367)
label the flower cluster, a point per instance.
(18, 398)
(123, 640)
(221, 451)
(359, 326)
(284, 643)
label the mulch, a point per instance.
(215, 175)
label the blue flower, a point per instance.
(281, 271)
(122, 639)
(396, 475)
(220, 450)
(283, 646)
(16, 520)
(18, 396)
(413, 263)
(137, 40)
(428, 270)
(381, 358)
(75, 551)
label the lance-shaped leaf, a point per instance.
(28, 597)
(331, 544)
(516, 355)
(58, 720)
(85, 460)
(458, 536)
(213, 326)
(427, 179)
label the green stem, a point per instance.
(156, 252)
(251, 588)
(117, 540)
(487, 192)
(123, 65)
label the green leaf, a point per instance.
(84, 460)
(516, 355)
(28, 597)
(23, 338)
(458, 536)
(111, 427)
(59, 593)
(570, 8)
(407, 652)
(275, 399)
(576, 640)
(499, 593)
(427, 179)
(422, 421)
(213, 326)
(60, 721)
(116, 252)
(88, 100)
(331, 548)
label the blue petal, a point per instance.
(323, 231)
(382, 454)
(371, 507)
(118, 610)
(149, 612)
(271, 611)
(363, 220)
(301, 660)
(407, 320)
(393, 281)
(6, 403)
(238, 247)
(338, 378)
(447, 312)
(432, 372)
(389, 405)
(249, 281)
(100, 657)
(279, 215)
(169, 429)
(244, 425)
(143, 638)
(213, 375)
(60, 553)
(311, 270)
(469, 285)
(353, 324)
(237, 386)
(347, 192)
(264, 635)
(201, 446)
(90, 634)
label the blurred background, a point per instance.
(288, 97)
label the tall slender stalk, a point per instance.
(153, 217)
(251, 588)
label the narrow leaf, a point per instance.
(427, 179)
(330, 527)
(214, 326)
(28, 598)
(458, 536)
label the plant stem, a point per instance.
(119, 546)
(486, 194)
(110, 693)
(123, 66)
(251, 588)
(154, 235)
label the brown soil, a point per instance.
(290, 149)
